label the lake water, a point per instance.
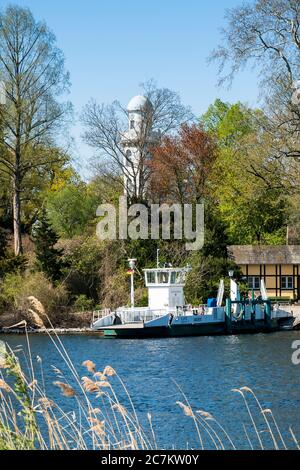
(206, 368)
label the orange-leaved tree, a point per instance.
(181, 166)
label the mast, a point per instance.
(132, 262)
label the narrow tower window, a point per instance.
(128, 158)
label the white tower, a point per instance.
(135, 143)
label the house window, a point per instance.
(131, 124)
(254, 282)
(287, 282)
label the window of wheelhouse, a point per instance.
(163, 277)
(151, 277)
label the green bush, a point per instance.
(15, 290)
(82, 303)
(71, 210)
(84, 258)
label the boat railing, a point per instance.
(97, 314)
(137, 315)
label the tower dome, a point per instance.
(138, 103)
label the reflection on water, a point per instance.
(206, 368)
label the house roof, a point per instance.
(265, 254)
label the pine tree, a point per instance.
(49, 259)
(9, 263)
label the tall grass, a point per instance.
(100, 413)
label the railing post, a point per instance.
(253, 311)
(267, 312)
(228, 316)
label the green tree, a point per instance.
(211, 263)
(88, 262)
(49, 258)
(40, 183)
(249, 184)
(71, 209)
(228, 122)
(9, 263)
(32, 69)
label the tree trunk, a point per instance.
(17, 216)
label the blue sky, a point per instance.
(113, 45)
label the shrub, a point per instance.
(84, 260)
(9, 289)
(141, 297)
(71, 210)
(15, 290)
(116, 290)
(82, 303)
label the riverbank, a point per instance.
(38, 322)
(47, 331)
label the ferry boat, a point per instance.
(167, 314)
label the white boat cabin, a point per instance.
(165, 287)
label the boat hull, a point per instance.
(209, 329)
(133, 333)
(259, 326)
(164, 332)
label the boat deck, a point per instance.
(126, 326)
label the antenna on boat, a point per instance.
(131, 262)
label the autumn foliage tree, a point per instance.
(181, 165)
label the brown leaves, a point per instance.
(181, 165)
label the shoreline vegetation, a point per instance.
(98, 411)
